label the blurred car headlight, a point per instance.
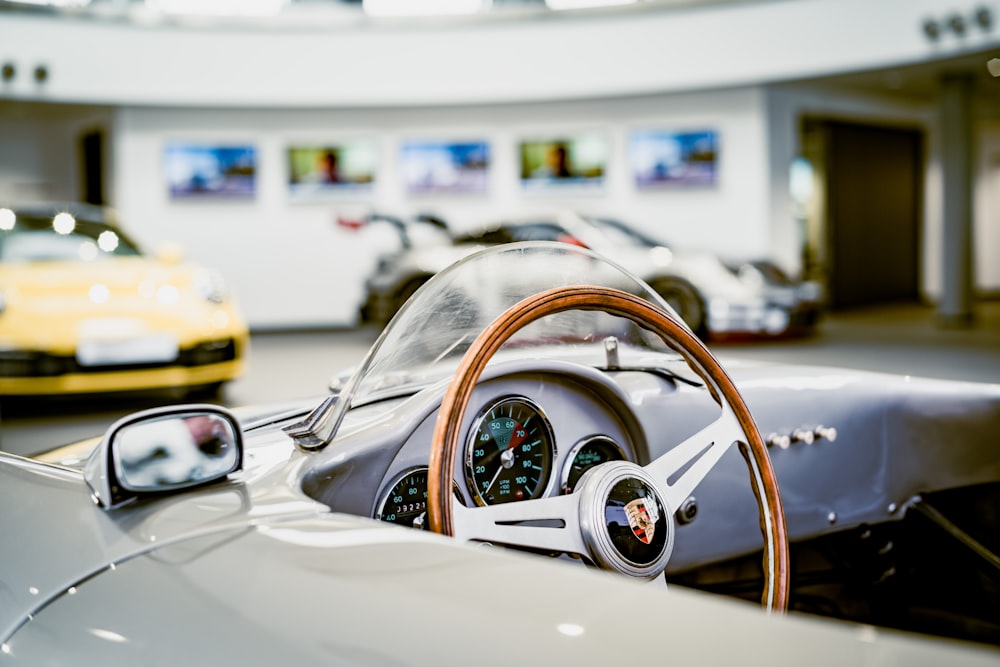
(785, 297)
(211, 286)
(810, 290)
(776, 321)
(718, 307)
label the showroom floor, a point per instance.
(902, 339)
(290, 365)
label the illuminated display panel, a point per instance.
(329, 170)
(661, 158)
(578, 161)
(196, 171)
(436, 167)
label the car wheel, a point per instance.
(685, 300)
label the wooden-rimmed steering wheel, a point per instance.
(574, 523)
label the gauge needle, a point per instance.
(506, 463)
(506, 457)
(494, 480)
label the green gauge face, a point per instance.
(510, 452)
(587, 454)
(405, 503)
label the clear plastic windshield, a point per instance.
(432, 331)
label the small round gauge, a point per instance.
(510, 452)
(586, 454)
(405, 503)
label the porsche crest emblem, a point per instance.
(641, 520)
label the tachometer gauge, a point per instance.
(405, 502)
(586, 454)
(510, 452)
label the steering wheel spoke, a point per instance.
(683, 468)
(549, 524)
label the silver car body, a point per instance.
(280, 561)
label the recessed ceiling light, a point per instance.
(54, 3)
(585, 4)
(218, 7)
(425, 7)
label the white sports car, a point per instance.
(750, 298)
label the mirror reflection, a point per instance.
(175, 451)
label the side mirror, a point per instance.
(164, 450)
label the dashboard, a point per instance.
(525, 436)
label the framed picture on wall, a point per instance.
(316, 172)
(437, 167)
(210, 171)
(664, 158)
(575, 161)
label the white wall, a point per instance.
(986, 215)
(497, 80)
(38, 150)
(291, 265)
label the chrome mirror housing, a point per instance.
(164, 450)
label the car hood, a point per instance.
(39, 565)
(701, 269)
(432, 259)
(332, 590)
(134, 278)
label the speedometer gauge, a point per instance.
(509, 454)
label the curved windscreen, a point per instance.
(430, 333)
(61, 237)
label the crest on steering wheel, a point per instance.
(643, 525)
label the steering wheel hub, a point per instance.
(627, 526)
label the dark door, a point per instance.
(874, 193)
(92, 167)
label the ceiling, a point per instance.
(922, 82)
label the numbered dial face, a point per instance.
(405, 503)
(587, 454)
(510, 453)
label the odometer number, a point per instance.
(405, 501)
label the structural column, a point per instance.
(957, 148)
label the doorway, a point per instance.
(92, 167)
(862, 238)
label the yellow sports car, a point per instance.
(82, 310)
